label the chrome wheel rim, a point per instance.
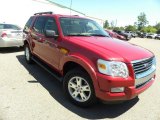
(27, 54)
(79, 89)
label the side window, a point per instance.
(51, 25)
(39, 25)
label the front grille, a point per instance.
(142, 66)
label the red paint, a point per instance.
(85, 51)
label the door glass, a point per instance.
(51, 25)
(39, 25)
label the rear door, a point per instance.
(37, 37)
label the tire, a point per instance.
(78, 88)
(128, 38)
(27, 54)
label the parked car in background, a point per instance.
(88, 62)
(10, 35)
(157, 36)
(133, 34)
(144, 35)
(151, 35)
(128, 36)
(115, 35)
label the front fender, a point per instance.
(86, 63)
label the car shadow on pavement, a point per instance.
(10, 50)
(54, 87)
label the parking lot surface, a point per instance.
(27, 92)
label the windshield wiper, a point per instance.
(101, 35)
(78, 35)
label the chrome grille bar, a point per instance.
(142, 65)
(144, 71)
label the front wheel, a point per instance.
(78, 88)
(27, 54)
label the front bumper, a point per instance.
(10, 42)
(130, 91)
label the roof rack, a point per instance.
(40, 13)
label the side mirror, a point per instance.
(51, 33)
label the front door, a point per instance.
(51, 44)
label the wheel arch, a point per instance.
(83, 63)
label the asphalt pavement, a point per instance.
(27, 92)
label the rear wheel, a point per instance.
(78, 88)
(27, 54)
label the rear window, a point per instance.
(9, 26)
(1, 26)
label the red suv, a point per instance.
(89, 63)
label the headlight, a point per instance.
(112, 68)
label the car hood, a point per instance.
(114, 49)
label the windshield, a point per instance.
(81, 27)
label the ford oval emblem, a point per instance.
(146, 65)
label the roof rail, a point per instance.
(40, 13)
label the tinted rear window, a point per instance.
(9, 26)
(1, 26)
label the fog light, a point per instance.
(117, 89)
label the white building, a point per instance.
(18, 11)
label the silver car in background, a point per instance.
(151, 35)
(10, 35)
(157, 36)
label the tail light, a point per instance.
(4, 35)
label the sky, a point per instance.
(125, 12)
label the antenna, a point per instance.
(70, 6)
(70, 14)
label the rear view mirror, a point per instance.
(51, 33)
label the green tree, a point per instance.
(149, 29)
(130, 28)
(158, 31)
(157, 26)
(122, 28)
(142, 21)
(118, 28)
(106, 24)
